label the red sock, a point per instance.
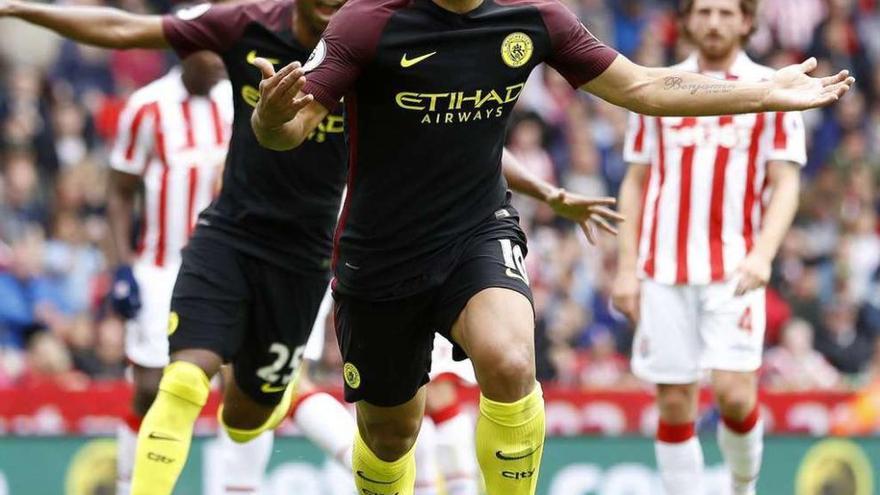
(670, 433)
(745, 425)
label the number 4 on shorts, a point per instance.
(745, 321)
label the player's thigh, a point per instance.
(209, 305)
(486, 310)
(667, 346)
(732, 328)
(386, 347)
(283, 306)
(146, 335)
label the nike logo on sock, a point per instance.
(516, 455)
(159, 436)
(363, 477)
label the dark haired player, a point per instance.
(427, 240)
(254, 273)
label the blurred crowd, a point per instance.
(59, 103)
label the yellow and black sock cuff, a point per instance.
(514, 413)
(186, 381)
(239, 435)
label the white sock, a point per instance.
(457, 455)
(327, 424)
(681, 466)
(427, 472)
(126, 444)
(244, 464)
(742, 453)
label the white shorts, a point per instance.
(686, 329)
(146, 335)
(315, 345)
(443, 364)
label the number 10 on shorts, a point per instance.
(514, 260)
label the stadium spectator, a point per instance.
(795, 366)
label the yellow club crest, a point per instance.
(173, 322)
(352, 375)
(516, 49)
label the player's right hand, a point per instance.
(625, 295)
(279, 93)
(125, 294)
(5, 7)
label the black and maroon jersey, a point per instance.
(427, 96)
(278, 206)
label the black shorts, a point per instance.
(386, 345)
(254, 314)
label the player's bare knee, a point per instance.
(736, 393)
(509, 377)
(390, 440)
(207, 360)
(676, 403)
(736, 402)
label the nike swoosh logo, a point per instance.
(158, 436)
(517, 455)
(405, 62)
(252, 55)
(362, 476)
(269, 389)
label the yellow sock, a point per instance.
(239, 435)
(166, 431)
(377, 477)
(510, 441)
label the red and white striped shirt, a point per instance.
(707, 184)
(177, 143)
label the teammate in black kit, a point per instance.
(256, 268)
(427, 241)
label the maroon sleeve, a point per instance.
(348, 45)
(576, 53)
(206, 26)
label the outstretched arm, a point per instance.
(100, 26)
(589, 213)
(661, 91)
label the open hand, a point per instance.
(589, 213)
(793, 89)
(279, 101)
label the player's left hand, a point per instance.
(279, 101)
(753, 273)
(589, 213)
(793, 89)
